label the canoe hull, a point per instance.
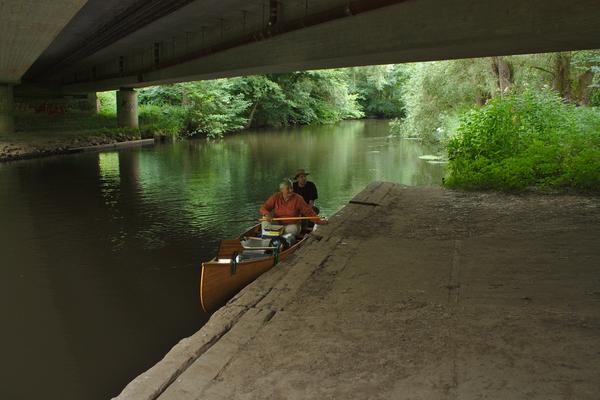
(218, 284)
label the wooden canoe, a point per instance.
(220, 280)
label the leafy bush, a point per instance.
(209, 108)
(595, 97)
(531, 139)
(162, 120)
(107, 102)
(212, 109)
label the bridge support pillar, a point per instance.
(127, 108)
(7, 109)
(92, 98)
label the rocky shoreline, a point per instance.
(28, 146)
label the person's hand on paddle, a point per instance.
(267, 217)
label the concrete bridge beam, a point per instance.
(127, 108)
(27, 27)
(7, 119)
(403, 31)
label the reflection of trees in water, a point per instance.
(228, 179)
(195, 183)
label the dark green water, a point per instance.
(100, 253)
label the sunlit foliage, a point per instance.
(533, 139)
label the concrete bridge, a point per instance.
(73, 48)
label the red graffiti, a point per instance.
(49, 109)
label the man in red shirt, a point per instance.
(286, 203)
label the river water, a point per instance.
(100, 252)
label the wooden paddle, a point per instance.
(292, 218)
(279, 219)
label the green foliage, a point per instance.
(166, 120)
(595, 97)
(436, 94)
(590, 60)
(310, 97)
(107, 102)
(214, 108)
(208, 108)
(427, 100)
(434, 91)
(172, 95)
(379, 89)
(526, 140)
(217, 107)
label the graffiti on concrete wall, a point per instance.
(53, 107)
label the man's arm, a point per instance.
(268, 206)
(307, 211)
(304, 208)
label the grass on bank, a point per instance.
(74, 125)
(153, 120)
(519, 141)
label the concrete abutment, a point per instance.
(410, 293)
(127, 108)
(7, 109)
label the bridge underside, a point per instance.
(111, 44)
(201, 39)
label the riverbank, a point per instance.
(26, 145)
(413, 293)
(69, 139)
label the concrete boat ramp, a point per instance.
(411, 293)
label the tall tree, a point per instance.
(584, 87)
(504, 74)
(562, 75)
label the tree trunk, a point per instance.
(251, 116)
(562, 75)
(504, 73)
(482, 98)
(184, 98)
(584, 87)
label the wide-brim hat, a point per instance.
(301, 172)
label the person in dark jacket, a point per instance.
(306, 189)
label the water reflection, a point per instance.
(100, 252)
(108, 164)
